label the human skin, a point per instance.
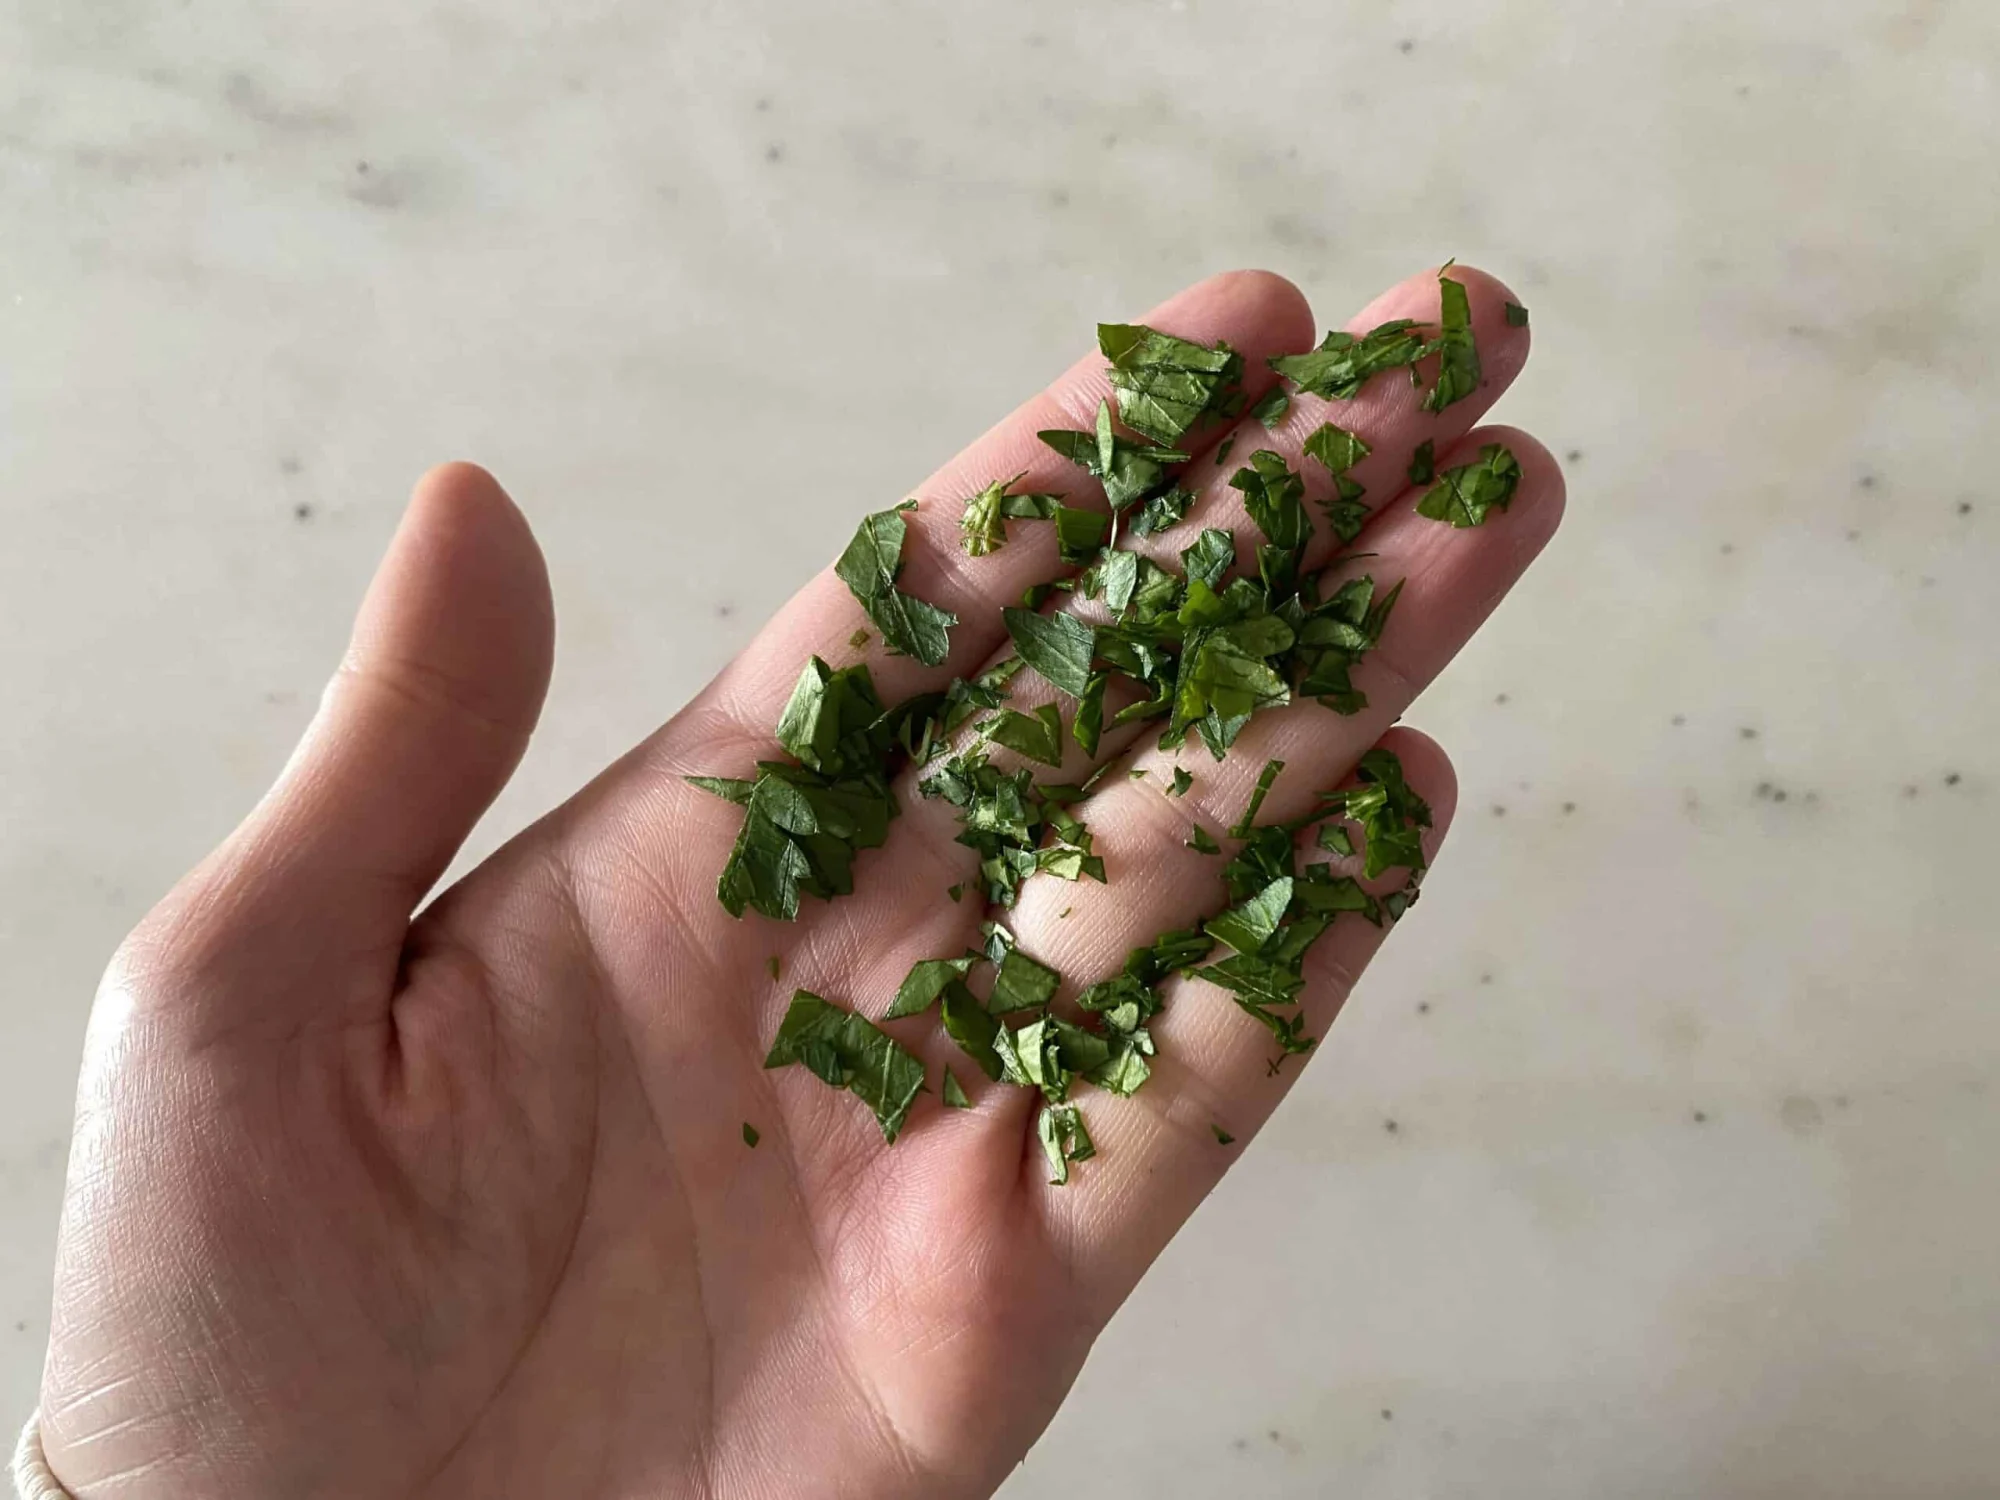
(376, 1197)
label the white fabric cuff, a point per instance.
(32, 1479)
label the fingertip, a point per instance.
(1543, 493)
(1262, 312)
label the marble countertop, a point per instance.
(1694, 1063)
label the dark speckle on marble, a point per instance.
(1680, 719)
(1728, 548)
(1568, 808)
(724, 611)
(1701, 1117)
(249, 98)
(1910, 790)
(1406, 46)
(1952, 778)
(1853, 535)
(1499, 697)
(1499, 809)
(302, 511)
(763, 105)
(1390, 1126)
(1486, 978)
(1423, 1007)
(1965, 507)
(1059, 197)
(1574, 455)
(1746, 733)
(1866, 480)
(775, 152)
(1388, 1415)
(289, 464)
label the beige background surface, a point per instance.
(1694, 1054)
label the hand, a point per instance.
(462, 1205)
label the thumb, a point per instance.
(420, 728)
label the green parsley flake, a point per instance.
(1272, 407)
(1517, 315)
(1264, 782)
(1423, 463)
(1183, 779)
(1344, 363)
(987, 513)
(1064, 1140)
(1458, 370)
(954, 1093)
(869, 568)
(1222, 1137)
(1200, 840)
(845, 1051)
(1165, 384)
(1466, 495)
(1059, 646)
(750, 1135)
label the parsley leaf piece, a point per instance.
(1343, 363)
(1128, 471)
(1209, 558)
(1201, 841)
(1458, 371)
(1423, 462)
(1032, 1058)
(1021, 983)
(956, 892)
(1088, 725)
(1464, 496)
(773, 967)
(1333, 838)
(1333, 638)
(1271, 408)
(1336, 448)
(844, 1050)
(1246, 928)
(1222, 1137)
(954, 1093)
(728, 788)
(1064, 1140)
(1222, 450)
(925, 982)
(1119, 573)
(828, 721)
(1162, 511)
(1264, 781)
(1079, 533)
(971, 1025)
(860, 638)
(1037, 736)
(1516, 315)
(986, 514)
(1183, 779)
(1392, 816)
(1164, 384)
(1059, 646)
(869, 568)
(1274, 497)
(750, 1135)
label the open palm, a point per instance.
(464, 1205)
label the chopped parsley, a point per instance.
(1165, 385)
(986, 514)
(1458, 368)
(1466, 495)
(750, 1135)
(869, 568)
(846, 1051)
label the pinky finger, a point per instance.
(1159, 1152)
